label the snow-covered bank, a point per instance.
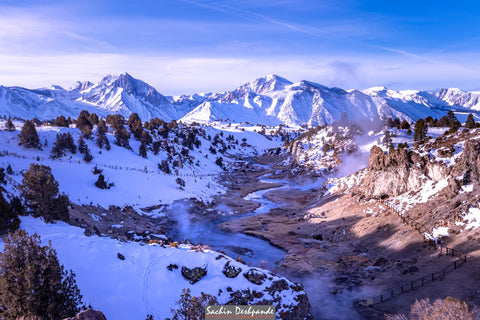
(141, 284)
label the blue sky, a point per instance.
(187, 46)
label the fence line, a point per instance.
(420, 282)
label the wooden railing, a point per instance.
(420, 282)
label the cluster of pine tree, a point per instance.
(450, 121)
(33, 284)
(63, 142)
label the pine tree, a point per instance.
(122, 137)
(60, 121)
(32, 281)
(102, 139)
(190, 307)
(405, 125)
(28, 136)
(135, 126)
(84, 124)
(82, 146)
(9, 221)
(142, 150)
(39, 189)
(93, 118)
(87, 156)
(9, 126)
(470, 123)
(420, 130)
(58, 149)
(83, 149)
(63, 142)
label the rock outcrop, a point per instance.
(400, 171)
(88, 314)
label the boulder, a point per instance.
(255, 276)
(89, 314)
(195, 274)
(231, 271)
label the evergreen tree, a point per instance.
(122, 137)
(39, 189)
(142, 150)
(102, 139)
(135, 126)
(115, 121)
(58, 149)
(9, 126)
(69, 143)
(87, 156)
(33, 283)
(2, 176)
(93, 118)
(101, 183)
(82, 146)
(404, 125)
(163, 165)
(28, 136)
(420, 130)
(470, 123)
(192, 308)
(60, 121)
(83, 149)
(156, 147)
(84, 124)
(9, 221)
(63, 142)
(146, 138)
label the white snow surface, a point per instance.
(138, 181)
(141, 284)
(472, 218)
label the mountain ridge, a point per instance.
(271, 99)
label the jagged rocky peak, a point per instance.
(268, 83)
(260, 86)
(81, 86)
(134, 87)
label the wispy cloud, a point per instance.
(330, 29)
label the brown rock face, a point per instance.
(469, 163)
(89, 314)
(379, 161)
(376, 160)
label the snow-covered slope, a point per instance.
(457, 97)
(267, 100)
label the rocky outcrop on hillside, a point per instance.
(445, 168)
(89, 314)
(320, 150)
(400, 171)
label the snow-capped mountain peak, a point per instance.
(271, 99)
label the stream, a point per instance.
(252, 250)
(259, 252)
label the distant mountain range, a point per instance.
(267, 100)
